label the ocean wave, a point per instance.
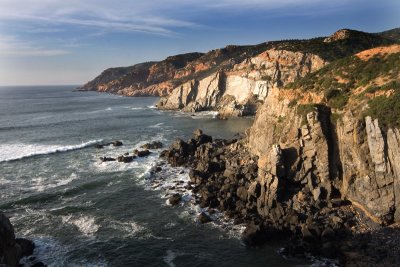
(11, 152)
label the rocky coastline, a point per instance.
(224, 177)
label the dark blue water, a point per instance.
(82, 212)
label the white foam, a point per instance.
(129, 228)
(40, 183)
(85, 224)
(137, 108)
(16, 151)
(158, 125)
(152, 107)
(169, 258)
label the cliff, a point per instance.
(332, 140)
(239, 90)
(320, 163)
(234, 63)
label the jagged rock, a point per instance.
(99, 146)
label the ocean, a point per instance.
(80, 211)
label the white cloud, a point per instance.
(12, 46)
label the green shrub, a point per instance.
(386, 110)
(304, 109)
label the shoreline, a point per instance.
(336, 229)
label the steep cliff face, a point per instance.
(236, 91)
(309, 144)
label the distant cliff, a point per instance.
(247, 71)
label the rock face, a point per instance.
(12, 249)
(354, 159)
(238, 91)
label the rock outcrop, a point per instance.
(240, 90)
(12, 249)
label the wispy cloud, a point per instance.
(145, 16)
(12, 46)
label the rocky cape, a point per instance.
(236, 79)
(319, 164)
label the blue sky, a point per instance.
(72, 41)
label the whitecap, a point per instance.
(17, 151)
(152, 107)
(85, 224)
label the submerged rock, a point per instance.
(204, 218)
(175, 199)
(116, 143)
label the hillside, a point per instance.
(161, 78)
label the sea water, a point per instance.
(83, 212)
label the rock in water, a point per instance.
(204, 218)
(27, 246)
(153, 145)
(11, 249)
(253, 235)
(141, 153)
(105, 159)
(116, 143)
(174, 199)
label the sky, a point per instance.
(53, 42)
